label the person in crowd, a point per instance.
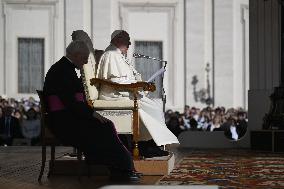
(186, 117)
(115, 66)
(186, 122)
(5, 103)
(231, 129)
(203, 120)
(223, 110)
(193, 124)
(31, 126)
(241, 124)
(76, 123)
(9, 127)
(186, 111)
(218, 111)
(216, 124)
(17, 114)
(21, 108)
(175, 124)
(194, 113)
(190, 118)
(168, 115)
(181, 122)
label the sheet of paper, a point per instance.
(159, 72)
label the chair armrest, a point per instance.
(114, 104)
(133, 87)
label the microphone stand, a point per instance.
(164, 62)
(164, 97)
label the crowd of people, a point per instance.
(233, 122)
(25, 113)
(19, 121)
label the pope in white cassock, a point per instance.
(114, 66)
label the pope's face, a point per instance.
(123, 49)
(123, 43)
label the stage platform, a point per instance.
(156, 166)
(19, 169)
(20, 166)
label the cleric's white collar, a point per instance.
(72, 62)
(68, 59)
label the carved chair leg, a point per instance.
(43, 159)
(52, 160)
(136, 153)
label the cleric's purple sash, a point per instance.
(55, 104)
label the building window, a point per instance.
(148, 67)
(30, 64)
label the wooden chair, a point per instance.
(48, 139)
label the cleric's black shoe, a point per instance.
(138, 174)
(118, 175)
(125, 177)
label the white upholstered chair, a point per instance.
(124, 113)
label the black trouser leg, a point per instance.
(126, 139)
(106, 148)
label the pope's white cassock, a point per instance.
(115, 67)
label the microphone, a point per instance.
(137, 55)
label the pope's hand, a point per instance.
(138, 77)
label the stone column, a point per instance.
(264, 57)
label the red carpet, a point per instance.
(229, 169)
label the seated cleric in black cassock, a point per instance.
(75, 123)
